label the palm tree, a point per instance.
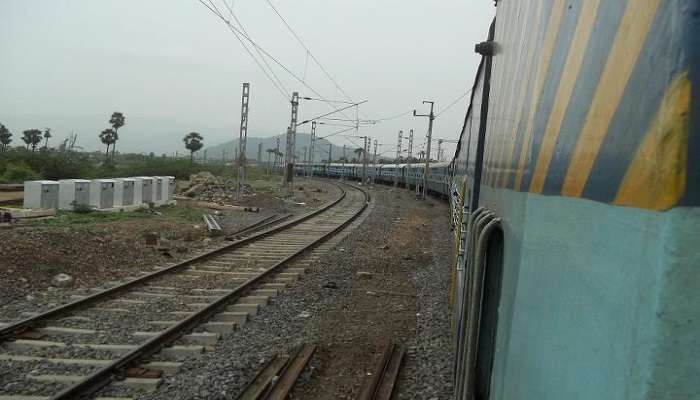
(193, 142)
(117, 121)
(108, 137)
(31, 137)
(47, 136)
(5, 137)
(359, 151)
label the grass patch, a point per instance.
(186, 213)
(68, 218)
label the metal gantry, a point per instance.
(431, 118)
(291, 138)
(311, 150)
(242, 138)
(398, 158)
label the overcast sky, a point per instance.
(172, 67)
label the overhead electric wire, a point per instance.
(228, 23)
(282, 91)
(328, 75)
(453, 103)
(332, 112)
(335, 133)
(393, 117)
(240, 24)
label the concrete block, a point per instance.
(237, 317)
(259, 300)
(73, 191)
(220, 327)
(264, 292)
(102, 193)
(124, 192)
(251, 309)
(41, 194)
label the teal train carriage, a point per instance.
(575, 191)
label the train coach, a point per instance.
(404, 175)
(576, 191)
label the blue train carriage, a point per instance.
(438, 178)
(576, 189)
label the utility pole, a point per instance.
(313, 142)
(431, 117)
(291, 137)
(342, 170)
(374, 162)
(398, 159)
(306, 160)
(330, 154)
(277, 152)
(439, 155)
(260, 160)
(242, 137)
(365, 151)
(410, 146)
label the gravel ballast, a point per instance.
(388, 279)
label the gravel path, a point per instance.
(388, 279)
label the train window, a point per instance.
(491, 296)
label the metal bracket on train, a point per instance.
(487, 48)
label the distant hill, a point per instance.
(302, 140)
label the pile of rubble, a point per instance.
(206, 187)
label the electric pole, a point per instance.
(410, 146)
(439, 155)
(342, 170)
(277, 152)
(398, 159)
(365, 150)
(431, 117)
(291, 137)
(330, 154)
(313, 141)
(306, 160)
(242, 137)
(374, 162)
(260, 160)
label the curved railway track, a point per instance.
(128, 334)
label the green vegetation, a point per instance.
(193, 142)
(19, 172)
(18, 165)
(68, 218)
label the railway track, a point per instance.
(277, 378)
(380, 385)
(132, 333)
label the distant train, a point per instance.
(407, 176)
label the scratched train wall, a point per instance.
(592, 161)
(592, 99)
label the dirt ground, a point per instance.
(379, 300)
(96, 248)
(388, 279)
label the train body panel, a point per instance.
(587, 169)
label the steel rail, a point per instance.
(105, 375)
(277, 377)
(18, 327)
(271, 220)
(380, 385)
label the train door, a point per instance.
(488, 320)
